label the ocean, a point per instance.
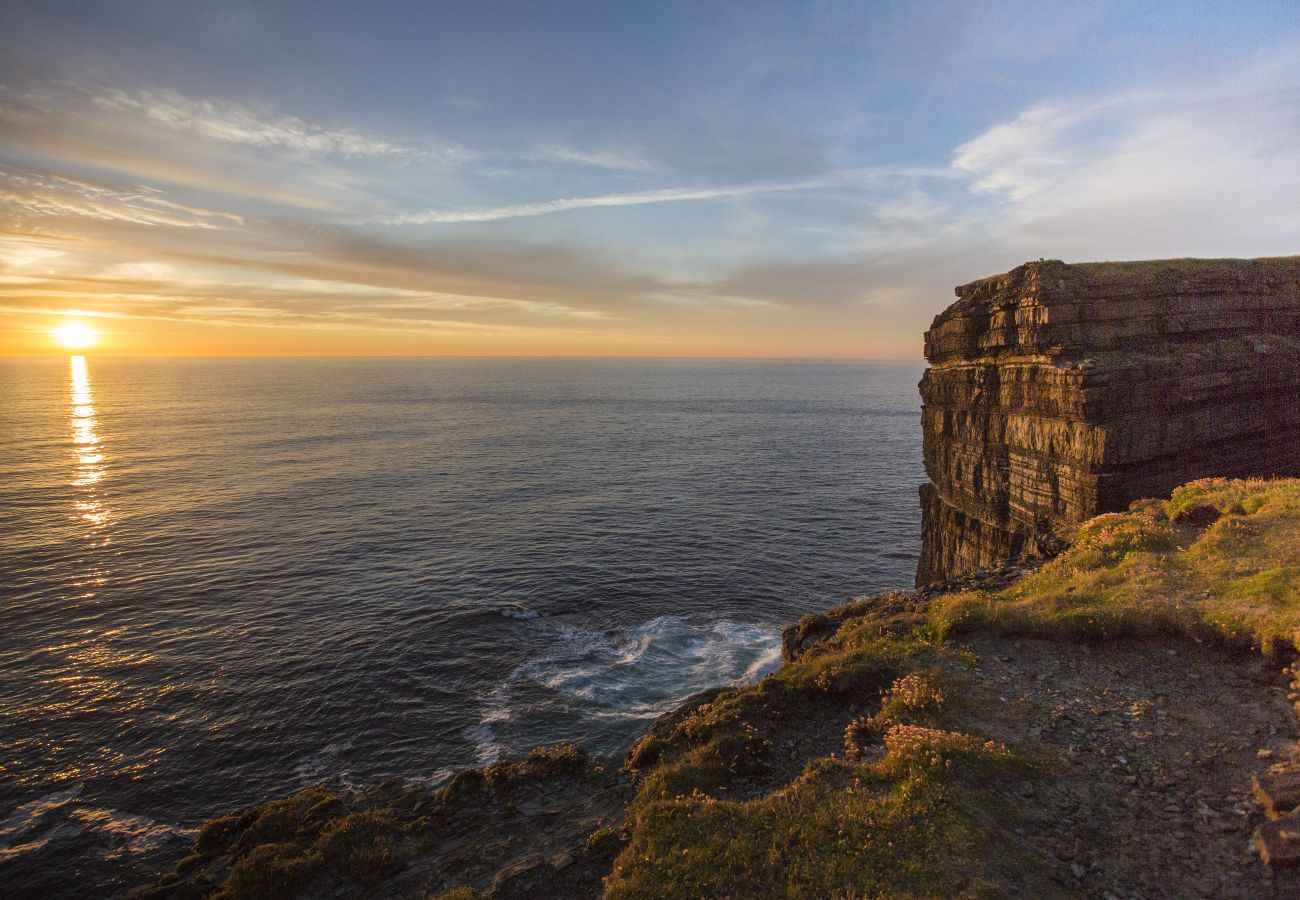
(226, 579)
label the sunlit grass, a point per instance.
(1220, 559)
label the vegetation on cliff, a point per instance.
(1220, 560)
(1040, 731)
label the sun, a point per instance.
(75, 335)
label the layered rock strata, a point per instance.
(1056, 392)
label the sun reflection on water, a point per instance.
(87, 450)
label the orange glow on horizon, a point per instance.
(49, 333)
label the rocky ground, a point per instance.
(1147, 751)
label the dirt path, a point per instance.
(1149, 749)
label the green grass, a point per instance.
(913, 820)
(843, 829)
(1151, 570)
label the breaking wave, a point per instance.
(617, 681)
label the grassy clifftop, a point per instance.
(1219, 560)
(1084, 727)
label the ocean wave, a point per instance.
(33, 825)
(128, 833)
(59, 816)
(325, 764)
(622, 678)
(525, 614)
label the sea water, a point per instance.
(223, 580)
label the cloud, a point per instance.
(16, 255)
(1155, 173)
(636, 198)
(141, 271)
(45, 195)
(1016, 156)
(237, 123)
(615, 160)
(859, 177)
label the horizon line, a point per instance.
(917, 358)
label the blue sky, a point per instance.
(801, 179)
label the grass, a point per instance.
(843, 829)
(909, 818)
(1219, 561)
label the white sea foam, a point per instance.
(628, 675)
(324, 763)
(522, 614)
(495, 709)
(644, 670)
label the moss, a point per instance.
(360, 847)
(269, 872)
(298, 818)
(189, 864)
(215, 836)
(603, 842)
(841, 830)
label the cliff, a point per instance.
(1056, 392)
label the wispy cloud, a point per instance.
(1015, 156)
(237, 123)
(662, 195)
(1151, 173)
(602, 158)
(636, 198)
(36, 194)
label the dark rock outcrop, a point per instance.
(1056, 392)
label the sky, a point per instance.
(613, 179)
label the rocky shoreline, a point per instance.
(1135, 758)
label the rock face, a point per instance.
(1056, 392)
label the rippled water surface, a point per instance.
(222, 580)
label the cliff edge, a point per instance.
(1059, 391)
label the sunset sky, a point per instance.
(693, 179)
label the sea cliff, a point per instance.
(1056, 392)
(1100, 706)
